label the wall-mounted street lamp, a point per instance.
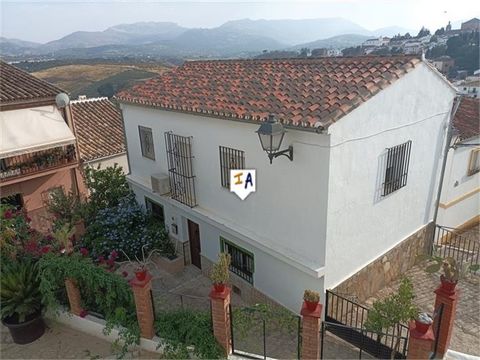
(271, 134)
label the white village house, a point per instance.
(367, 135)
(459, 205)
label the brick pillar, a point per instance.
(311, 321)
(144, 306)
(420, 345)
(220, 302)
(74, 298)
(449, 301)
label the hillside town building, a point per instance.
(351, 186)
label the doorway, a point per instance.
(194, 239)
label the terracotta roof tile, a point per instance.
(300, 92)
(98, 127)
(18, 86)
(467, 118)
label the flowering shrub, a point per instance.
(126, 228)
(17, 238)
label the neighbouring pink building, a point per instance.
(38, 150)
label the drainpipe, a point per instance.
(456, 103)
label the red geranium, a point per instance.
(84, 251)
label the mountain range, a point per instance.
(234, 38)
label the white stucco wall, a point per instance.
(362, 225)
(460, 200)
(287, 214)
(120, 160)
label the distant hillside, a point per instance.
(168, 41)
(391, 31)
(125, 34)
(98, 79)
(296, 31)
(335, 42)
(221, 41)
(15, 46)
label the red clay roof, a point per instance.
(98, 127)
(467, 118)
(18, 86)
(300, 92)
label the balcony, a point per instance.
(36, 163)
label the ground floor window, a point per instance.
(155, 210)
(15, 200)
(242, 260)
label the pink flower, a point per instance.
(113, 254)
(124, 273)
(31, 246)
(84, 251)
(83, 313)
(28, 218)
(110, 262)
(45, 249)
(8, 214)
(101, 259)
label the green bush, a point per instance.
(183, 328)
(107, 188)
(126, 228)
(19, 291)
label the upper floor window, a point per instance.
(474, 163)
(146, 142)
(398, 158)
(230, 159)
(241, 260)
(180, 168)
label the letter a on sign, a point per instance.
(242, 182)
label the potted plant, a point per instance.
(452, 272)
(220, 272)
(21, 300)
(311, 299)
(423, 322)
(141, 266)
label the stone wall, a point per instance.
(386, 268)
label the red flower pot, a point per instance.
(421, 327)
(141, 274)
(311, 305)
(219, 288)
(447, 286)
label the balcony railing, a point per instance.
(40, 161)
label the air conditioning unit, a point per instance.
(160, 184)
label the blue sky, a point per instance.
(44, 21)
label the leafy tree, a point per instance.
(106, 90)
(440, 31)
(304, 52)
(423, 32)
(107, 187)
(352, 51)
(392, 311)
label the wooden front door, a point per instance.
(194, 238)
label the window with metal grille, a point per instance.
(398, 158)
(146, 142)
(241, 260)
(474, 163)
(180, 168)
(155, 210)
(230, 159)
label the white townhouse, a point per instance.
(459, 205)
(345, 189)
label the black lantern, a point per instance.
(271, 134)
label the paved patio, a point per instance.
(62, 342)
(466, 331)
